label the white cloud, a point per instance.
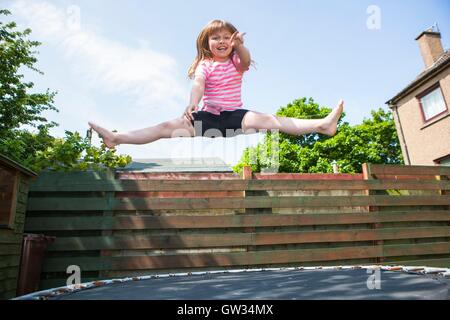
(147, 76)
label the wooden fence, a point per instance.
(131, 224)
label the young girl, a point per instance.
(217, 72)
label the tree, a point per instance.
(19, 107)
(373, 141)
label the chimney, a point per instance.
(430, 46)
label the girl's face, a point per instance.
(220, 45)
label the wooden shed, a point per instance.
(14, 184)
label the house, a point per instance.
(421, 110)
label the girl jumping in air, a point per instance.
(217, 71)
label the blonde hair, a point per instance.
(203, 51)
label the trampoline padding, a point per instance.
(289, 284)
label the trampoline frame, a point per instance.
(55, 292)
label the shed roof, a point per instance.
(177, 165)
(4, 160)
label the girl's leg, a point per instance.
(170, 129)
(260, 121)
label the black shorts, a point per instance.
(228, 124)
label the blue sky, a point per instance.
(123, 64)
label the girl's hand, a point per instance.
(237, 39)
(188, 112)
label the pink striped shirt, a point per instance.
(222, 84)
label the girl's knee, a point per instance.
(249, 120)
(165, 129)
(256, 120)
(186, 127)
(180, 127)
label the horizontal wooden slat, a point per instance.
(308, 176)
(9, 261)
(9, 249)
(233, 185)
(179, 194)
(243, 258)
(68, 204)
(7, 236)
(184, 241)
(277, 202)
(425, 262)
(79, 176)
(47, 178)
(386, 169)
(9, 272)
(416, 249)
(150, 242)
(7, 285)
(177, 176)
(210, 260)
(226, 221)
(58, 204)
(141, 185)
(9, 294)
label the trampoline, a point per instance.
(298, 283)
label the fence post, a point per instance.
(247, 174)
(445, 191)
(109, 195)
(367, 175)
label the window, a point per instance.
(432, 103)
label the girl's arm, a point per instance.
(237, 41)
(244, 56)
(198, 88)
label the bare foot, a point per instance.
(107, 136)
(329, 125)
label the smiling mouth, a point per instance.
(222, 49)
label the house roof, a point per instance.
(177, 165)
(439, 65)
